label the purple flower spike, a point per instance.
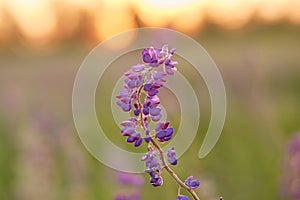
(182, 197)
(172, 156)
(192, 183)
(140, 97)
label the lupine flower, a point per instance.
(172, 156)
(163, 132)
(147, 79)
(182, 197)
(192, 183)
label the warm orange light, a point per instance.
(39, 20)
(273, 11)
(188, 20)
(113, 20)
(229, 13)
(175, 12)
(35, 18)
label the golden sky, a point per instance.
(45, 19)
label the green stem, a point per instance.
(161, 152)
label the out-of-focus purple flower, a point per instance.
(172, 156)
(130, 179)
(131, 186)
(134, 196)
(192, 183)
(291, 174)
(163, 132)
(120, 197)
(182, 197)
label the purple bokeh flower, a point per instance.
(291, 174)
(130, 186)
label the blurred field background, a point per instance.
(255, 44)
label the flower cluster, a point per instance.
(140, 97)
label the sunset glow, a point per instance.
(43, 19)
(35, 18)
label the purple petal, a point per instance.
(182, 197)
(136, 112)
(146, 111)
(127, 131)
(126, 123)
(161, 134)
(138, 142)
(147, 87)
(172, 51)
(170, 131)
(126, 107)
(146, 56)
(147, 138)
(152, 92)
(138, 68)
(131, 139)
(156, 118)
(155, 111)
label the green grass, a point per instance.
(260, 68)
